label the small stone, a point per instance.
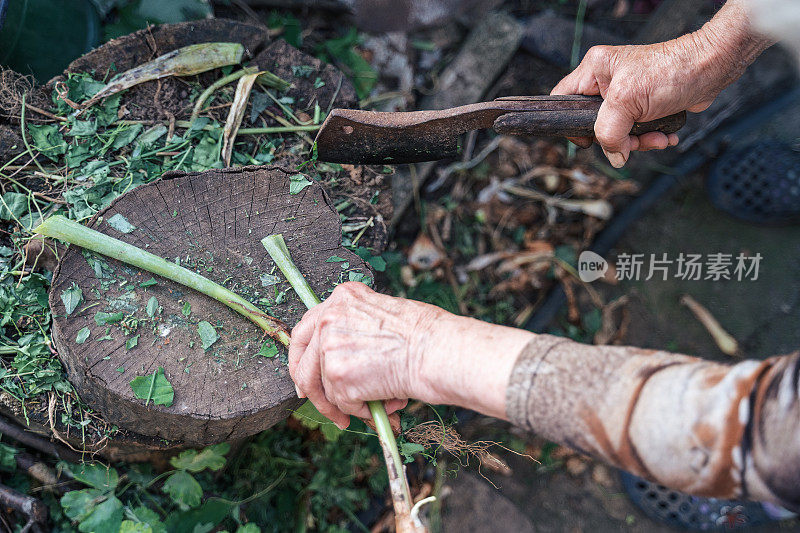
(576, 466)
(602, 476)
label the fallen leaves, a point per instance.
(153, 387)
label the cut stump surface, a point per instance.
(212, 222)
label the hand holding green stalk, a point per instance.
(401, 495)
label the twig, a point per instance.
(724, 340)
(205, 95)
(15, 432)
(33, 508)
(25, 138)
(47, 113)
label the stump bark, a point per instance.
(211, 222)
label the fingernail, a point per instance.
(616, 159)
(299, 393)
(340, 426)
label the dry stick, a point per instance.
(724, 340)
(15, 432)
(33, 508)
(59, 227)
(406, 521)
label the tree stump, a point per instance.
(211, 222)
(365, 189)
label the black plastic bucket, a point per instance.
(41, 37)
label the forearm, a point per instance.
(468, 363)
(729, 41)
(697, 426)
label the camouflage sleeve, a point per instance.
(728, 431)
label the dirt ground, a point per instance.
(761, 314)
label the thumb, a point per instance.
(612, 131)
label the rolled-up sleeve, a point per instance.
(727, 431)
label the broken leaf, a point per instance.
(268, 349)
(120, 223)
(186, 61)
(153, 387)
(149, 283)
(184, 489)
(297, 183)
(212, 458)
(208, 335)
(132, 342)
(82, 335)
(102, 318)
(187, 309)
(72, 298)
(152, 307)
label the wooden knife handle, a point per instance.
(574, 116)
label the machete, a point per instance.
(374, 137)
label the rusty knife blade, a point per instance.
(375, 137)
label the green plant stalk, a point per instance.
(63, 229)
(266, 78)
(401, 495)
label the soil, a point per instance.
(212, 222)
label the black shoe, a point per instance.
(759, 183)
(694, 513)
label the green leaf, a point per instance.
(208, 335)
(187, 309)
(358, 69)
(297, 183)
(308, 415)
(153, 387)
(250, 527)
(124, 136)
(212, 458)
(104, 518)
(71, 297)
(132, 342)
(48, 140)
(95, 475)
(101, 318)
(151, 135)
(143, 516)
(8, 456)
(212, 512)
(335, 259)
(184, 489)
(409, 449)
(129, 526)
(14, 205)
(120, 223)
(95, 510)
(148, 283)
(268, 349)
(376, 261)
(83, 128)
(152, 306)
(82, 335)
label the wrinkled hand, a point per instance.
(356, 346)
(359, 346)
(642, 83)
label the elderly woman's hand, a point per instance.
(359, 345)
(642, 83)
